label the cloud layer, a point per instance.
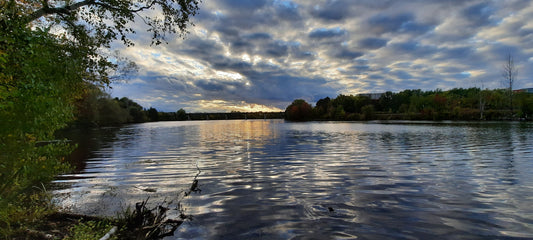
(259, 55)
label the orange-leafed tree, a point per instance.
(299, 110)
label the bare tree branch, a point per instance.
(509, 77)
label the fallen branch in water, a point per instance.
(145, 223)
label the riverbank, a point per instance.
(139, 222)
(59, 225)
(143, 220)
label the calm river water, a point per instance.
(270, 179)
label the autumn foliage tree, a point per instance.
(299, 110)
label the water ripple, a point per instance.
(329, 180)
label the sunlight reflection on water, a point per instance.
(276, 180)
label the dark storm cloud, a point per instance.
(240, 46)
(217, 85)
(322, 33)
(400, 23)
(456, 53)
(372, 43)
(344, 53)
(360, 68)
(226, 30)
(224, 63)
(202, 48)
(300, 53)
(479, 14)
(284, 87)
(287, 11)
(257, 36)
(499, 52)
(404, 75)
(376, 76)
(416, 28)
(303, 55)
(382, 23)
(415, 49)
(332, 10)
(242, 5)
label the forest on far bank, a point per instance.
(454, 104)
(96, 108)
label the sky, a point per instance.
(260, 55)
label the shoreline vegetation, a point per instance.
(471, 104)
(53, 57)
(99, 109)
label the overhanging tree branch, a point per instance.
(47, 10)
(113, 16)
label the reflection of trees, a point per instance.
(88, 141)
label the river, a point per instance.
(271, 179)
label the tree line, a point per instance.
(454, 104)
(98, 108)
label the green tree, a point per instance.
(339, 113)
(98, 108)
(322, 107)
(110, 112)
(43, 74)
(181, 115)
(525, 100)
(39, 82)
(346, 101)
(153, 115)
(368, 112)
(135, 111)
(88, 113)
(386, 102)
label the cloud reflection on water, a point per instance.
(270, 179)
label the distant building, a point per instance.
(372, 96)
(526, 90)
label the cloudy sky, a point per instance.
(259, 55)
